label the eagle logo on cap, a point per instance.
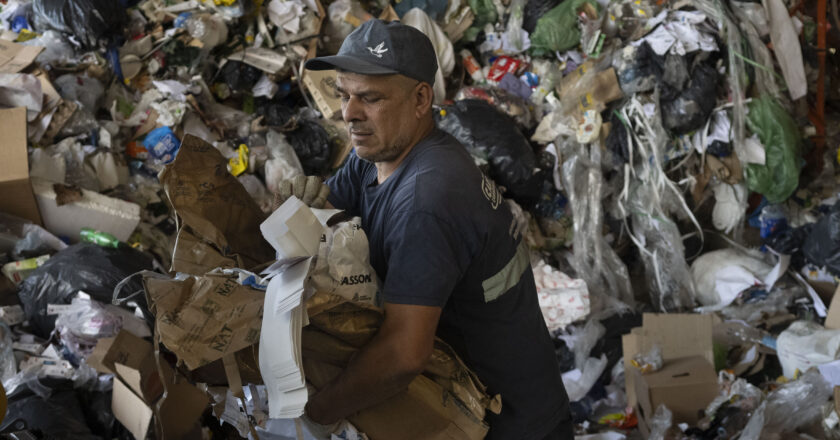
(378, 50)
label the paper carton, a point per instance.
(832, 317)
(138, 389)
(684, 385)
(679, 336)
(15, 186)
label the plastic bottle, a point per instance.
(472, 66)
(103, 239)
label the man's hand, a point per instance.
(310, 189)
(383, 367)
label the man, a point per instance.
(442, 242)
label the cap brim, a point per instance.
(350, 64)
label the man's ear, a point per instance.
(424, 95)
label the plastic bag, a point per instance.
(688, 109)
(779, 134)
(485, 13)
(82, 88)
(7, 358)
(93, 269)
(283, 163)
(493, 137)
(582, 339)
(806, 344)
(512, 105)
(579, 381)
(83, 324)
(60, 416)
(86, 20)
(660, 423)
(534, 9)
(822, 243)
(563, 300)
(790, 406)
(558, 30)
(594, 259)
(312, 146)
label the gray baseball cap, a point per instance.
(380, 48)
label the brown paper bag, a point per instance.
(214, 207)
(201, 319)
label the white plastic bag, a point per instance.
(806, 344)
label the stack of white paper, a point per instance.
(293, 230)
(295, 233)
(280, 358)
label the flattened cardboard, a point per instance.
(18, 198)
(321, 85)
(214, 205)
(832, 318)
(201, 319)
(16, 57)
(684, 385)
(132, 359)
(130, 410)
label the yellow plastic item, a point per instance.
(26, 35)
(239, 164)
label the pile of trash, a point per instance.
(674, 162)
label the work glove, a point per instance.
(309, 189)
(317, 430)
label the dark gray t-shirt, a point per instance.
(440, 235)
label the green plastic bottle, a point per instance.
(103, 239)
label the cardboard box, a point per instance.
(684, 385)
(100, 212)
(678, 335)
(832, 317)
(321, 85)
(15, 186)
(138, 397)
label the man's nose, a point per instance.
(352, 110)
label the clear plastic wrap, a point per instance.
(7, 358)
(578, 382)
(650, 361)
(594, 259)
(82, 324)
(790, 406)
(283, 163)
(648, 199)
(660, 423)
(581, 340)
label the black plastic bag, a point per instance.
(822, 245)
(492, 136)
(312, 146)
(94, 269)
(535, 9)
(58, 417)
(88, 21)
(688, 110)
(239, 76)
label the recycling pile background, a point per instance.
(673, 163)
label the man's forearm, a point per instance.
(376, 373)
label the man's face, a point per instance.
(380, 112)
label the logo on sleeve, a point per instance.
(378, 51)
(491, 191)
